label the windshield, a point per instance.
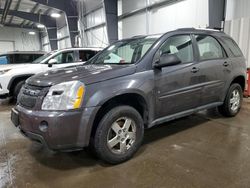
(124, 52)
(40, 59)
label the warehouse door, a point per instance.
(6, 46)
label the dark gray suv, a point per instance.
(132, 85)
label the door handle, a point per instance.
(195, 70)
(225, 64)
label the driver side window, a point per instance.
(65, 57)
(181, 46)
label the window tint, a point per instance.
(3, 60)
(209, 47)
(85, 55)
(66, 57)
(180, 46)
(23, 58)
(233, 47)
(125, 51)
(36, 56)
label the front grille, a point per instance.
(27, 101)
(28, 95)
(33, 91)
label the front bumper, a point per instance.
(66, 130)
(3, 86)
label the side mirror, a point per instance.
(51, 62)
(167, 60)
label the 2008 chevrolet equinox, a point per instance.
(132, 85)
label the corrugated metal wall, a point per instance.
(237, 24)
(45, 42)
(63, 35)
(237, 9)
(20, 39)
(239, 30)
(185, 13)
(182, 13)
(92, 23)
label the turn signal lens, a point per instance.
(79, 97)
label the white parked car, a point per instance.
(13, 76)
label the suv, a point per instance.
(132, 85)
(18, 57)
(13, 76)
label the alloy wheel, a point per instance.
(121, 135)
(235, 100)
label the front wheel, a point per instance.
(233, 101)
(17, 89)
(119, 134)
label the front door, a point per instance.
(177, 87)
(63, 59)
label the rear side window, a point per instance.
(233, 47)
(85, 55)
(180, 46)
(23, 58)
(209, 47)
(3, 60)
(36, 56)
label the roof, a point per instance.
(188, 30)
(192, 29)
(23, 52)
(83, 48)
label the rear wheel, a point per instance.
(119, 135)
(233, 101)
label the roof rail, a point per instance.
(187, 28)
(202, 29)
(136, 36)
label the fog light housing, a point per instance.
(43, 126)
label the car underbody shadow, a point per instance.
(86, 158)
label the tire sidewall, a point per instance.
(17, 89)
(104, 126)
(232, 88)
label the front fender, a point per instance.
(24, 76)
(139, 83)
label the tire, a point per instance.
(230, 109)
(17, 89)
(128, 138)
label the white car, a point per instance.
(13, 76)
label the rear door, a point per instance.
(85, 55)
(214, 68)
(177, 87)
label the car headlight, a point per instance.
(4, 71)
(64, 96)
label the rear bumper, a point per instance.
(66, 130)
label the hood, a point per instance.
(87, 74)
(13, 66)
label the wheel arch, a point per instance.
(14, 80)
(241, 80)
(134, 100)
